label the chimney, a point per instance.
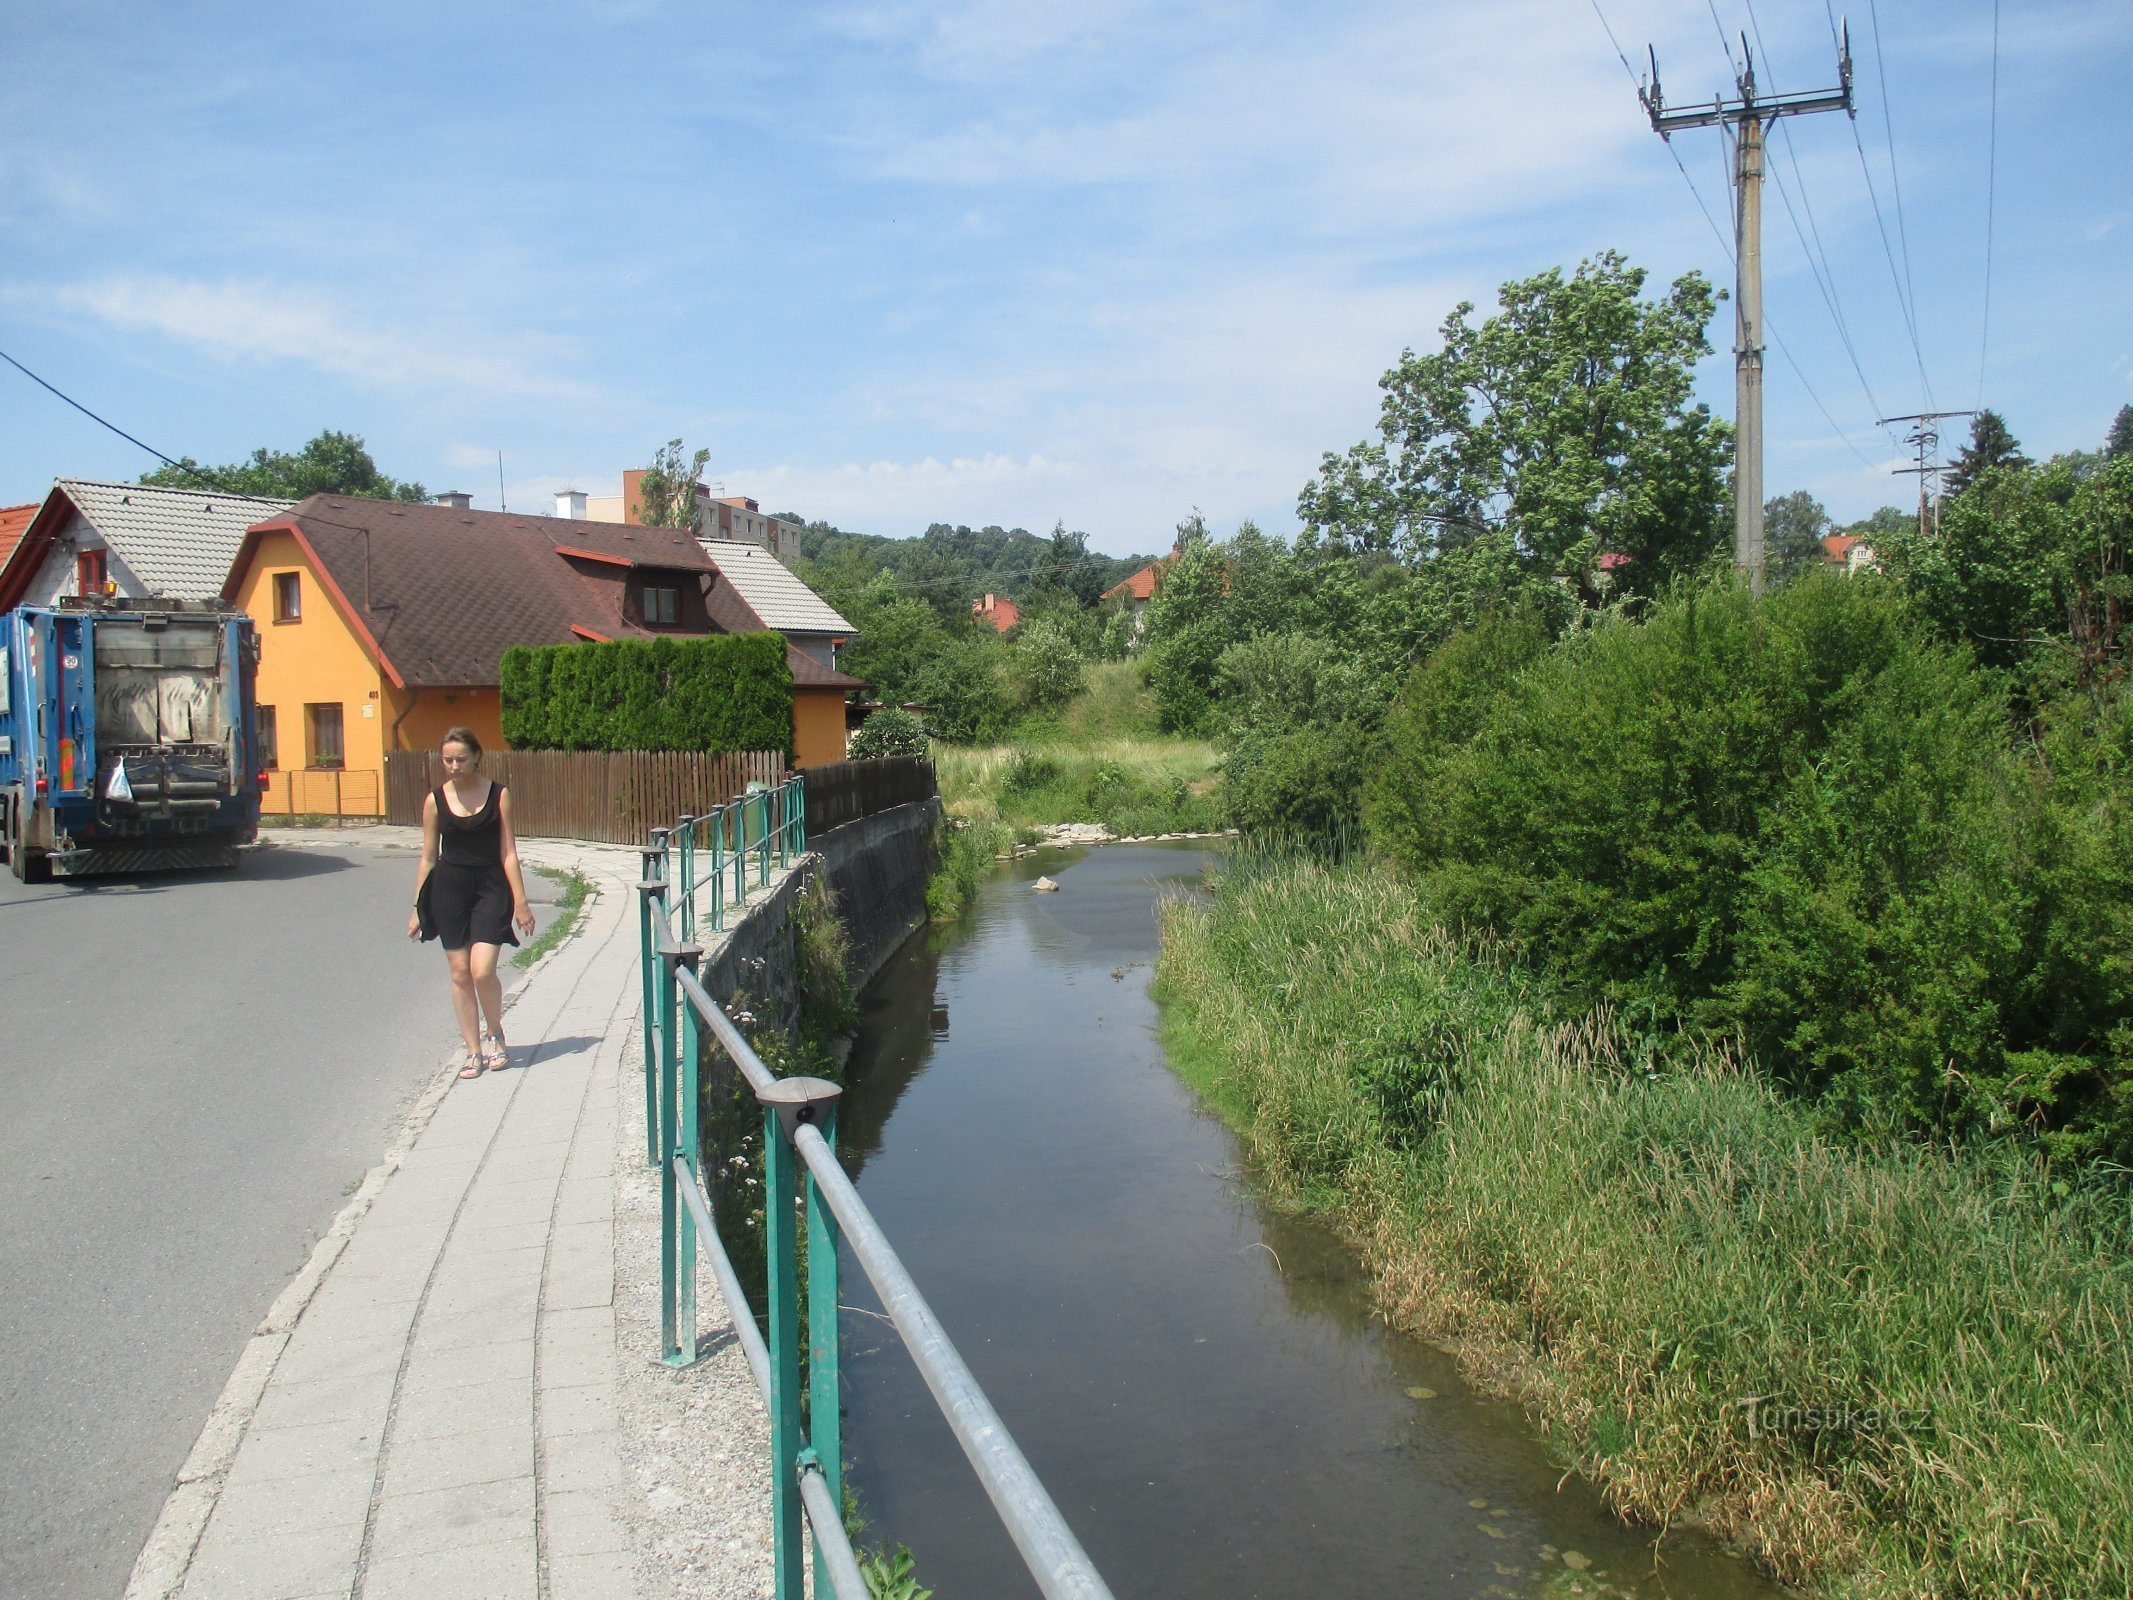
(457, 499)
(570, 504)
(633, 495)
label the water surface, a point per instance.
(1197, 1379)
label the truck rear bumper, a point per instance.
(141, 855)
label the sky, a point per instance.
(1000, 261)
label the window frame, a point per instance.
(671, 594)
(266, 738)
(96, 561)
(315, 723)
(288, 596)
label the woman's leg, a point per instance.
(488, 987)
(464, 1000)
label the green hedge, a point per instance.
(731, 692)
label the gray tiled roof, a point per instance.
(178, 542)
(780, 601)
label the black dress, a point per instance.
(466, 898)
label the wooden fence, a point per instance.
(849, 790)
(614, 798)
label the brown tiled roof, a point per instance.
(1143, 583)
(808, 673)
(13, 519)
(442, 593)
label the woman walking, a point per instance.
(469, 893)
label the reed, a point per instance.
(1881, 1370)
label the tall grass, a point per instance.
(1132, 786)
(1884, 1371)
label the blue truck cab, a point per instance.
(126, 736)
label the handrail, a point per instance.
(1049, 1549)
(801, 1175)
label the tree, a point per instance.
(888, 732)
(666, 494)
(2119, 442)
(332, 463)
(1991, 446)
(1564, 419)
(1793, 527)
(1067, 569)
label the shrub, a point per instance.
(1304, 784)
(1804, 819)
(732, 692)
(888, 732)
(1045, 667)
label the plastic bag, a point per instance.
(119, 788)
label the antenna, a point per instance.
(500, 482)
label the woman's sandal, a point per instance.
(473, 1066)
(498, 1057)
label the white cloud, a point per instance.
(238, 320)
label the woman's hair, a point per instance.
(463, 736)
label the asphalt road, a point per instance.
(195, 1070)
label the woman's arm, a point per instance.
(429, 860)
(521, 909)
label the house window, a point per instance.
(288, 597)
(662, 605)
(269, 743)
(322, 728)
(89, 573)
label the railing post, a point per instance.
(686, 859)
(651, 887)
(824, 1433)
(786, 1104)
(677, 1105)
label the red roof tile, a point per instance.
(13, 519)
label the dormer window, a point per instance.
(662, 605)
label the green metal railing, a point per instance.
(760, 828)
(805, 1189)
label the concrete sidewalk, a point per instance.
(438, 1406)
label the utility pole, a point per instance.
(1748, 116)
(1924, 439)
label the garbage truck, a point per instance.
(126, 736)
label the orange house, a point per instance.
(382, 625)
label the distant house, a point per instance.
(382, 624)
(1848, 551)
(89, 537)
(998, 610)
(729, 517)
(1136, 591)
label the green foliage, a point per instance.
(1991, 449)
(730, 692)
(890, 1575)
(2119, 441)
(963, 852)
(1564, 420)
(888, 732)
(822, 949)
(1793, 528)
(1044, 667)
(332, 463)
(1672, 1238)
(2029, 568)
(666, 494)
(1305, 783)
(1804, 820)
(1134, 787)
(564, 919)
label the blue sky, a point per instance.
(1000, 262)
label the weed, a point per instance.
(569, 908)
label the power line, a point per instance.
(1992, 179)
(185, 467)
(1888, 130)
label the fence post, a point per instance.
(651, 887)
(824, 1432)
(677, 1224)
(685, 827)
(786, 1104)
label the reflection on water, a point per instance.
(1198, 1381)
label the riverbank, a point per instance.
(1880, 1372)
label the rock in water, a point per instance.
(1045, 886)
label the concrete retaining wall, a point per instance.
(877, 868)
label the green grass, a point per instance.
(1633, 1242)
(563, 919)
(1132, 786)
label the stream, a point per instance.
(1198, 1379)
